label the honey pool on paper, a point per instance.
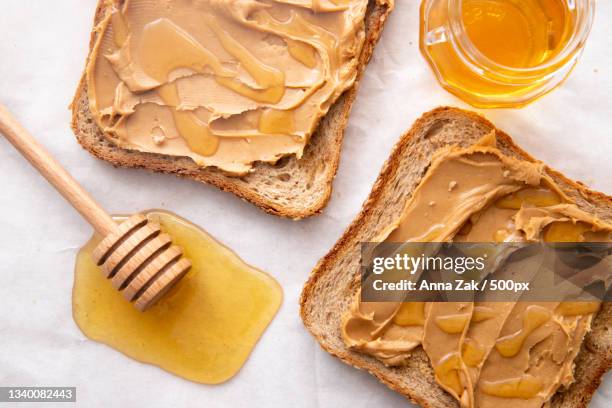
(203, 330)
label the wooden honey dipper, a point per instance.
(135, 255)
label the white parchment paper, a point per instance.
(43, 46)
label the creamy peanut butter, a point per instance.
(224, 82)
(485, 354)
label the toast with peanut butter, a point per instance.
(455, 177)
(251, 96)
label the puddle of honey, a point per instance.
(203, 330)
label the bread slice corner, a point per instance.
(332, 284)
(290, 188)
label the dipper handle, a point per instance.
(63, 182)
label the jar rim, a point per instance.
(584, 9)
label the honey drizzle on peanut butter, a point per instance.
(454, 323)
(410, 314)
(165, 47)
(270, 94)
(534, 317)
(458, 370)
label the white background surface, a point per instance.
(43, 46)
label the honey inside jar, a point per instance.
(203, 330)
(503, 53)
(517, 33)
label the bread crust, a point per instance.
(334, 280)
(290, 188)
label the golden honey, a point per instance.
(534, 317)
(203, 330)
(410, 314)
(453, 324)
(503, 53)
(517, 33)
(472, 353)
(538, 197)
(447, 372)
(524, 387)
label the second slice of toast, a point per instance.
(291, 187)
(335, 279)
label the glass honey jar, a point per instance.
(503, 53)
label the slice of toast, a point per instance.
(291, 187)
(332, 284)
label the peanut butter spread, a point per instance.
(224, 82)
(485, 354)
